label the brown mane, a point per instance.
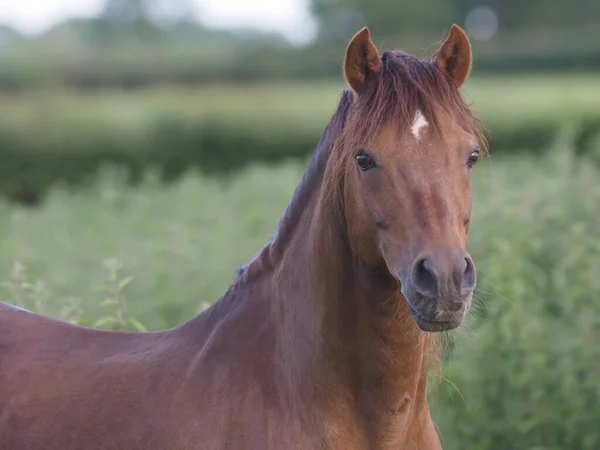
(405, 85)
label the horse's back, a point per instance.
(14, 308)
(61, 384)
(18, 328)
(40, 339)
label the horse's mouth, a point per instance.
(435, 325)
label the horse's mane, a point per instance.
(311, 177)
(405, 85)
(316, 168)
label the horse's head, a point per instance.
(408, 148)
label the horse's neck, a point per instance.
(347, 351)
(348, 337)
(389, 366)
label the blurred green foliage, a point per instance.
(523, 372)
(180, 243)
(47, 136)
(132, 44)
(129, 64)
(405, 17)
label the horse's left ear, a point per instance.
(454, 56)
(362, 62)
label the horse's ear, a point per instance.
(362, 62)
(454, 56)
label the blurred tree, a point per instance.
(155, 11)
(342, 18)
(139, 21)
(125, 10)
(520, 14)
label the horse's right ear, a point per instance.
(362, 62)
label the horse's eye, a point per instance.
(364, 161)
(473, 157)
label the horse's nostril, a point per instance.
(424, 278)
(469, 278)
(468, 265)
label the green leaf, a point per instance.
(137, 325)
(124, 282)
(104, 321)
(109, 301)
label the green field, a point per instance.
(516, 97)
(501, 101)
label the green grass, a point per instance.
(509, 99)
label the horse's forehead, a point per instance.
(421, 136)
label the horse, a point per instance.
(325, 339)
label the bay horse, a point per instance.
(324, 340)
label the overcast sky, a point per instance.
(289, 17)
